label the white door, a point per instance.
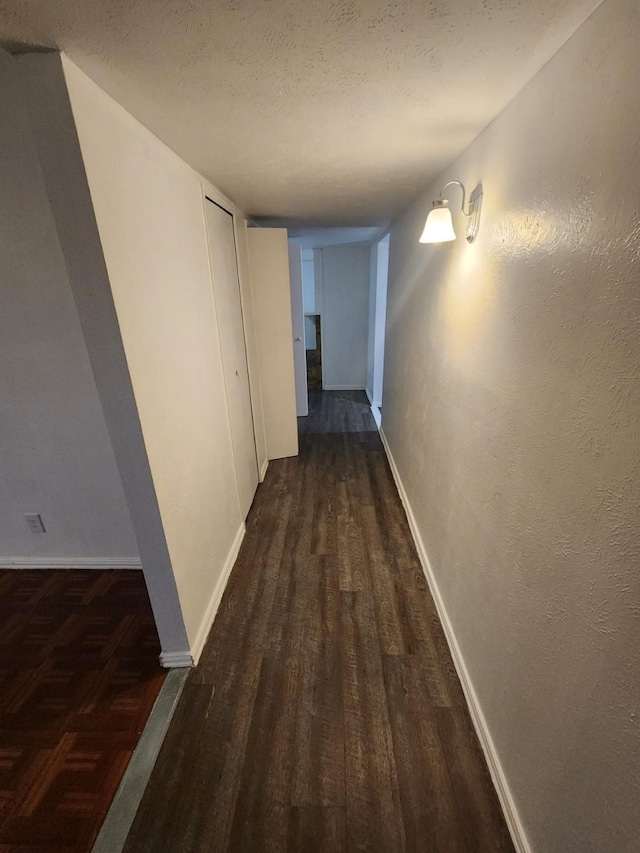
(271, 291)
(226, 285)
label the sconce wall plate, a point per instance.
(475, 206)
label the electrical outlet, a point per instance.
(35, 523)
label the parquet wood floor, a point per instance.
(325, 714)
(79, 674)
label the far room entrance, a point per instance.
(339, 301)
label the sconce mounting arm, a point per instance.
(464, 194)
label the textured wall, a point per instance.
(56, 457)
(512, 408)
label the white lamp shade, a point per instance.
(438, 228)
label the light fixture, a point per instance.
(439, 226)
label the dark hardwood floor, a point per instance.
(325, 714)
(79, 674)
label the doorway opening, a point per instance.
(337, 297)
(312, 321)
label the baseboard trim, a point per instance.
(501, 785)
(343, 388)
(216, 596)
(173, 660)
(375, 411)
(263, 470)
(70, 563)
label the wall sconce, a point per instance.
(439, 226)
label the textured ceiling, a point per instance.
(323, 113)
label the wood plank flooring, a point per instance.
(325, 714)
(79, 674)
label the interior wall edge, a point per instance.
(216, 596)
(53, 126)
(498, 776)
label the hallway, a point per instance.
(325, 713)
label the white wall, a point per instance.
(271, 290)
(56, 456)
(371, 339)
(308, 281)
(298, 326)
(149, 210)
(310, 333)
(382, 278)
(511, 409)
(345, 316)
(378, 279)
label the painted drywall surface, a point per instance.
(310, 333)
(382, 278)
(345, 316)
(271, 290)
(317, 280)
(373, 280)
(310, 237)
(298, 325)
(53, 128)
(379, 263)
(308, 280)
(56, 455)
(373, 98)
(512, 405)
(149, 209)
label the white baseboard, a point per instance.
(263, 470)
(343, 388)
(216, 597)
(369, 397)
(507, 802)
(70, 563)
(171, 660)
(375, 411)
